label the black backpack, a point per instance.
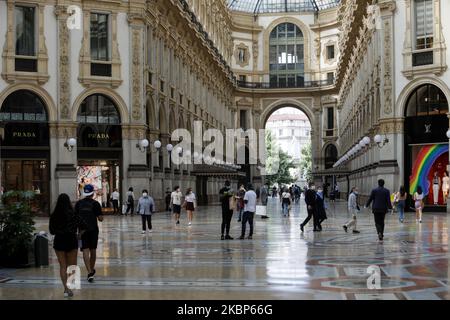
(86, 213)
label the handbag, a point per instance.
(184, 205)
(233, 203)
(261, 211)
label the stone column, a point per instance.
(63, 162)
(388, 163)
(138, 174)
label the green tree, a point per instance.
(306, 162)
(278, 163)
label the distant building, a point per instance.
(292, 130)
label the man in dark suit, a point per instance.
(311, 203)
(381, 198)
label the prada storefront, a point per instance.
(99, 147)
(25, 149)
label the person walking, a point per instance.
(354, 209)
(175, 203)
(90, 211)
(285, 202)
(380, 197)
(64, 225)
(264, 196)
(190, 205)
(130, 202)
(249, 212)
(310, 200)
(146, 207)
(296, 194)
(400, 203)
(226, 197)
(115, 196)
(418, 203)
(168, 198)
(321, 208)
(240, 202)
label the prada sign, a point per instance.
(99, 136)
(26, 135)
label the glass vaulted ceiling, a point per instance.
(273, 6)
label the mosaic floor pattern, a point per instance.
(182, 262)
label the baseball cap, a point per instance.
(88, 190)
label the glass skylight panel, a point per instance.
(273, 6)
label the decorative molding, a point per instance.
(136, 75)
(388, 43)
(63, 130)
(242, 55)
(324, 51)
(64, 64)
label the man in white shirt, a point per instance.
(249, 211)
(175, 203)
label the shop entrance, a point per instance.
(426, 146)
(104, 175)
(100, 149)
(25, 148)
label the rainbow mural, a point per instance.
(422, 166)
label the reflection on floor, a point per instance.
(181, 262)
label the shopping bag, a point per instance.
(124, 209)
(261, 211)
(233, 203)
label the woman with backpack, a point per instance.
(64, 225)
(130, 202)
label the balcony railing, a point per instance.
(270, 85)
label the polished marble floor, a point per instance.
(182, 262)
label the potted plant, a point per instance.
(16, 229)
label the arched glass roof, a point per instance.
(273, 6)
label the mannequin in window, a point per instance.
(436, 187)
(80, 188)
(445, 186)
(105, 192)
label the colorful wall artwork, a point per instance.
(430, 159)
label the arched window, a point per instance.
(23, 105)
(98, 109)
(286, 56)
(331, 154)
(426, 100)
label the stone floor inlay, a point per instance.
(182, 262)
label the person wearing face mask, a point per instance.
(175, 203)
(146, 207)
(311, 205)
(353, 208)
(321, 208)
